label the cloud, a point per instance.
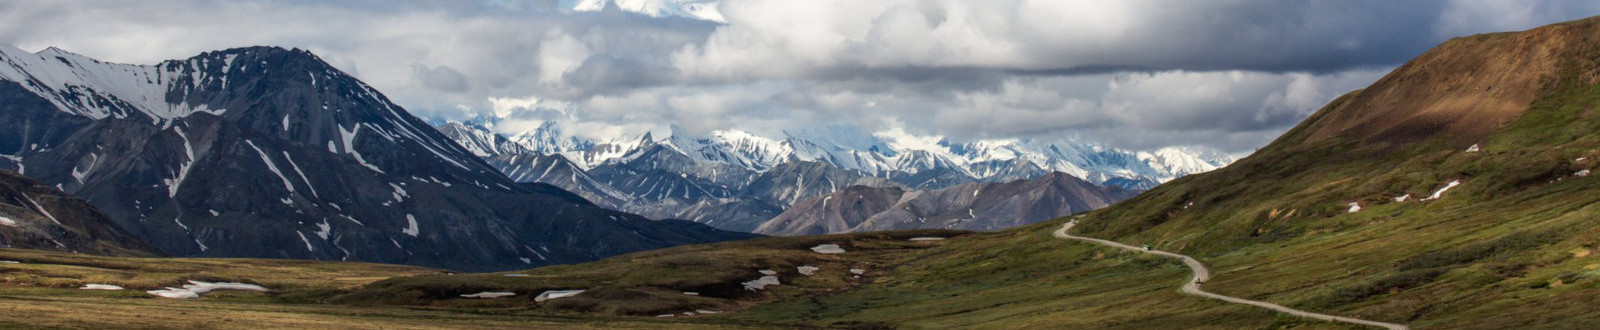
(1136, 73)
(441, 78)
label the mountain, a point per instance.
(556, 170)
(736, 180)
(792, 182)
(697, 9)
(924, 162)
(972, 206)
(273, 153)
(36, 216)
(480, 142)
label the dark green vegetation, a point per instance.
(627, 291)
(655, 282)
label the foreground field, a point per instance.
(1020, 278)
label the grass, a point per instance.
(293, 281)
(622, 292)
(654, 282)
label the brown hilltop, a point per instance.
(1464, 90)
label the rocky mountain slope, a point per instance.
(268, 152)
(36, 216)
(974, 206)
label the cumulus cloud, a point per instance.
(1136, 73)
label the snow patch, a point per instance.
(761, 283)
(196, 288)
(41, 209)
(555, 294)
(489, 295)
(399, 194)
(107, 287)
(411, 227)
(828, 249)
(1402, 198)
(1354, 207)
(7, 221)
(303, 239)
(349, 138)
(323, 229)
(808, 270)
(1581, 173)
(302, 174)
(271, 166)
(183, 169)
(1441, 191)
(768, 272)
(1473, 148)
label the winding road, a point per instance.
(1201, 274)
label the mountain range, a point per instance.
(974, 206)
(271, 152)
(738, 181)
(696, 9)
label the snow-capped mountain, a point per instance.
(696, 9)
(973, 206)
(737, 180)
(482, 143)
(272, 153)
(891, 154)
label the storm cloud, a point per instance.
(1228, 74)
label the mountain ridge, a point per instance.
(270, 152)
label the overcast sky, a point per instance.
(1228, 74)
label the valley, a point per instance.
(270, 187)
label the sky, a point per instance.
(1135, 74)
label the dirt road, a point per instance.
(1201, 274)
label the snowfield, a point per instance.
(196, 288)
(489, 295)
(107, 287)
(828, 249)
(761, 283)
(556, 294)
